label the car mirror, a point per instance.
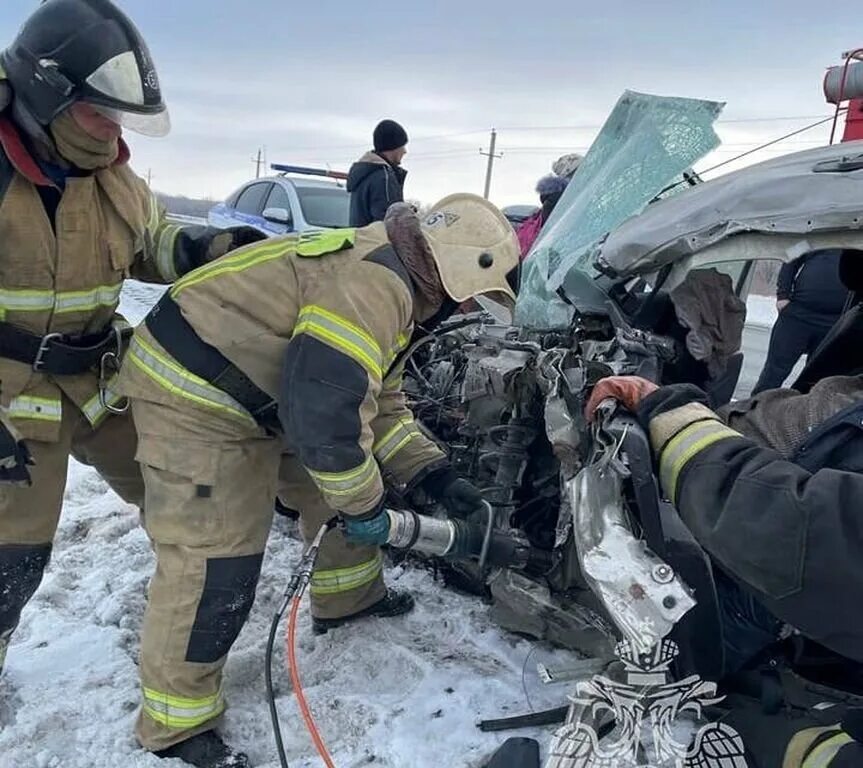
(278, 215)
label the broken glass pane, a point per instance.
(646, 143)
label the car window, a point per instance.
(251, 200)
(231, 202)
(278, 199)
(738, 271)
(325, 207)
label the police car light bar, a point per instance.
(308, 171)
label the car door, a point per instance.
(277, 214)
(250, 206)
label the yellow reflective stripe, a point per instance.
(396, 439)
(241, 259)
(394, 378)
(27, 300)
(341, 333)
(36, 408)
(166, 241)
(180, 712)
(822, 755)
(80, 301)
(346, 483)
(155, 214)
(685, 446)
(93, 409)
(173, 377)
(338, 580)
(320, 243)
(402, 340)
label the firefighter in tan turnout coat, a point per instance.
(75, 221)
(297, 342)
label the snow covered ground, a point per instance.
(761, 310)
(402, 693)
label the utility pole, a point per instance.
(149, 177)
(491, 158)
(257, 161)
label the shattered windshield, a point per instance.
(647, 142)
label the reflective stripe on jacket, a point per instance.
(793, 538)
(66, 276)
(318, 322)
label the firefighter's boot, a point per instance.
(395, 603)
(206, 750)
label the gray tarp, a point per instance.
(781, 196)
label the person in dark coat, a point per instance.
(550, 189)
(376, 180)
(810, 297)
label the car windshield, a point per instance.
(325, 207)
(645, 145)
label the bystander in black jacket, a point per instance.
(374, 185)
(811, 283)
(816, 296)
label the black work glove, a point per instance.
(245, 236)
(460, 497)
(14, 456)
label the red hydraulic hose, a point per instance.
(308, 719)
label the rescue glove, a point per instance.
(460, 497)
(371, 529)
(225, 242)
(629, 391)
(14, 456)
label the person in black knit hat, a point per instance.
(376, 180)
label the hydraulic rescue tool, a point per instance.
(447, 538)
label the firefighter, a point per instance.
(299, 342)
(781, 525)
(75, 221)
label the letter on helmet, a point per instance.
(474, 247)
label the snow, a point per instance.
(398, 693)
(761, 310)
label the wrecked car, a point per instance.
(662, 294)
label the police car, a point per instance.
(294, 201)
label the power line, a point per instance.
(413, 139)
(768, 144)
(586, 127)
(596, 126)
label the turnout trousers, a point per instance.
(29, 514)
(210, 487)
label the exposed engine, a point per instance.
(507, 404)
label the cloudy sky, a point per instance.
(308, 81)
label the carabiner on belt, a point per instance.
(110, 365)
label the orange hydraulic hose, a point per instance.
(311, 725)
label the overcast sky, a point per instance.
(309, 80)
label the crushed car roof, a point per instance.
(816, 191)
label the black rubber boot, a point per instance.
(206, 750)
(394, 603)
(516, 753)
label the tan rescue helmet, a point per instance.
(474, 247)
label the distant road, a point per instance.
(180, 219)
(756, 339)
